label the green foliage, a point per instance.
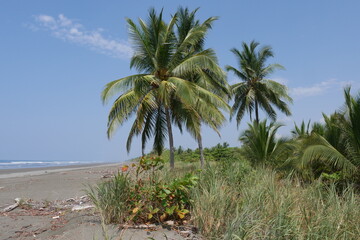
(330, 148)
(111, 197)
(174, 197)
(146, 197)
(214, 202)
(255, 91)
(180, 150)
(233, 200)
(301, 131)
(174, 84)
(283, 210)
(260, 143)
(259, 205)
(220, 152)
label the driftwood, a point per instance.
(108, 175)
(12, 207)
(141, 226)
(81, 207)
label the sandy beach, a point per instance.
(62, 187)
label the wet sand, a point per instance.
(49, 184)
(58, 184)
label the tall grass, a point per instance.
(232, 200)
(259, 205)
(110, 198)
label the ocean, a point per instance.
(15, 164)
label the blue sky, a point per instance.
(56, 57)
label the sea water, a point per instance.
(14, 164)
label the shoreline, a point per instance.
(22, 172)
(52, 183)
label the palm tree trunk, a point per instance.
(202, 160)
(257, 111)
(171, 139)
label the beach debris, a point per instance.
(141, 226)
(108, 175)
(81, 207)
(56, 217)
(2, 188)
(186, 233)
(170, 223)
(13, 206)
(84, 198)
(22, 233)
(70, 200)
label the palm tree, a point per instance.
(155, 94)
(206, 113)
(255, 91)
(339, 145)
(301, 131)
(260, 143)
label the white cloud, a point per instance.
(66, 29)
(45, 19)
(316, 89)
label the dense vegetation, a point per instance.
(216, 153)
(304, 186)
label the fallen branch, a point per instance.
(12, 207)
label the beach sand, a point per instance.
(56, 185)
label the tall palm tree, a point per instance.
(155, 94)
(204, 112)
(255, 91)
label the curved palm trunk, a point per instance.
(202, 159)
(171, 139)
(257, 112)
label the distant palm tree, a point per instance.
(301, 131)
(255, 91)
(161, 88)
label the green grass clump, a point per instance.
(110, 197)
(260, 205)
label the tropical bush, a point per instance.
(260, 144)
(140, 195)
(330, 148)
(218, 152)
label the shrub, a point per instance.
(145, 197)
